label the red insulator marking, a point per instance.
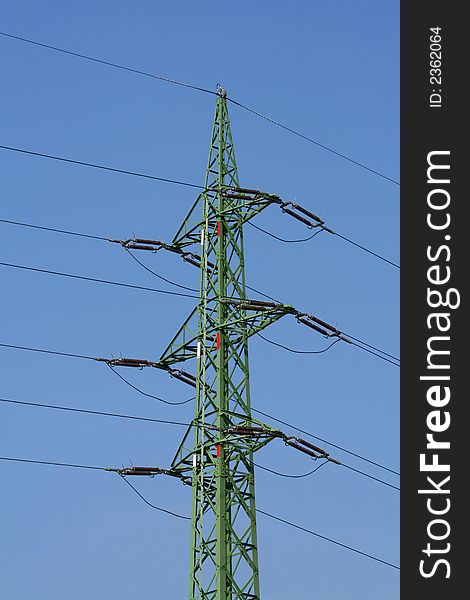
(217, 340)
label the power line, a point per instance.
(70, 355)
(169, 292)
(52, 464)
(297, 351)
(290, 524)
(163, 291)
(261, 293)
(184, 287)
(373, 347)
(61, 464)
(108, 63)
(367, 250)
(280, 239)
(134, 362)
(370, 476)
(205, 90)
(96, 237)
(316, 437)
(280, 519)
(147, 394)
(321, 465)
(92, 412)
(96, 280)
(376, 354)
(74, 233)
(311, 140)
(309, 531)
(43, 351)
(288, 349)
(288, 475)
(105, 239)
(178, 294)
(169, 512)
(54, 230)
(102, 167)
(182, 294)
(85, 235)
(186, 424)
(167, 422)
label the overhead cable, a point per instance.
(127, 246)
(276, 237)
(44, 351)
(297, 351)
(187, 424)
(54, 230)
(289, 523)
(311, 140)
(280, 239)
(289, 475)
(49, 463)
(392, 362)
(390, 262)
(102, 167)
(280, 519)
(165, 510)
(370, 476)
(184, 287)
(316, 437)
(97, 237)
(146, 393)
(306, 217)
(93, 412)
(108, 63)
(301, 528)
(373, 347)
(109, 362)
(96, 280)
(200, 89)
(314, 533)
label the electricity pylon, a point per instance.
(218, 447)
(216, 454)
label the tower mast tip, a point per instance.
(221, 91)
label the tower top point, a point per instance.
(221, 91)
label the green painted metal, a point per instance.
(224, 548)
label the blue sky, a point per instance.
(329, 70)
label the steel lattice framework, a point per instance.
(217, 450)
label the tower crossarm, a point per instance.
(244, 319)
(243, 206)
(254, 433)
(253, 436)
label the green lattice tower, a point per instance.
(224, 552)
(223, 515)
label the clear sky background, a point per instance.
(329, 70)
